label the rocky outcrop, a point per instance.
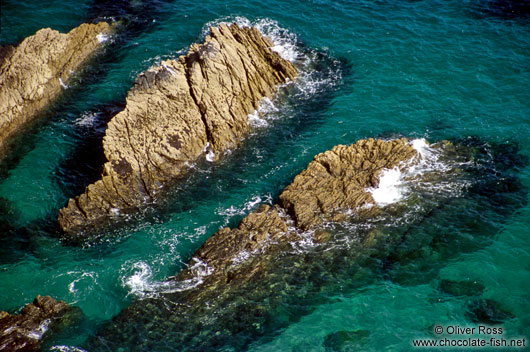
(24, 331)
(332, 185)
(246, 284)
(176, 112)
(255, 263)
(32, 73)
(337, 180)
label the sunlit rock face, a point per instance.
(177, 111)
(33, 73)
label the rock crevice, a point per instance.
(173, 114)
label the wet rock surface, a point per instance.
(33, 73)
(24, 331)
(175, 113)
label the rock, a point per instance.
(346, 340)
(238, 274)
(24, 331)
(246, 284)
(334, 183)
(32, 73)
(336, 180)
(175, 113)
(487, 311)
(462, 288)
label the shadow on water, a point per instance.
(504, 9)
(294, 283)
(83, 166)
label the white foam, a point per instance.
(390, 188)
(71, 286)
(37, 333)
(309, 81)
(171, 71)
(284, 42)
(62, 83)
(241, 257)
(255, 121)
(395, 185)
(422, 147)
(102, 37)
(138, 283)
(88, 119)
(210, 155)
(141, 283)
(247, 207)
(266, 111)
(63, 348)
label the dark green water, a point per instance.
(455, 70)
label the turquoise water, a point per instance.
(455, 70)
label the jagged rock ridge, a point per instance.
(175, 112)
(332, 188)
(32, 73)
(332, 185)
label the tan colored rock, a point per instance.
(24, 331)
(251, 260)
(172, 113)
(336, 180)
(332, 186)
(31, 73)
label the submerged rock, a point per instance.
(176, 112)
(333, 184)
(346, 340)
(487, 311)
(24, 331)
(33, 73)
(462, 288)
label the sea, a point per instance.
(426, 70)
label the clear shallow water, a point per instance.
(415, 68)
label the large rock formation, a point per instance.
(174, 113)
(254, 262)
(246, 284)
(32, 73)
(338, 179)
(24, 331)
(333, 184)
